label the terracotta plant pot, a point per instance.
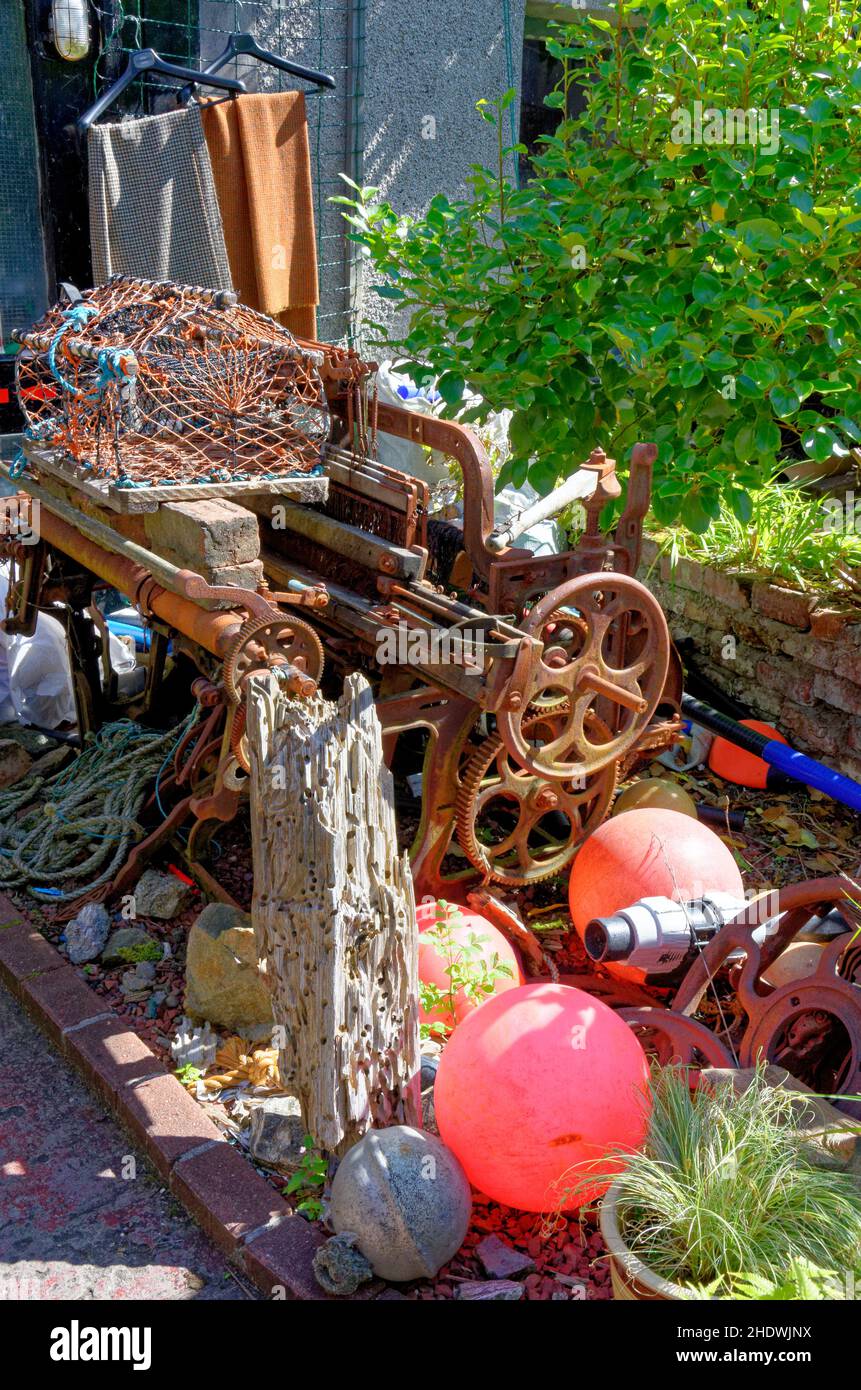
(631, 1279)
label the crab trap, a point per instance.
(142, 386)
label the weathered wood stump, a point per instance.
(333, 910)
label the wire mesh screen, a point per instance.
(315, 33)
(23, 283)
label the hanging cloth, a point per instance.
(261, 163)
(153, 206)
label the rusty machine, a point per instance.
(537, 681)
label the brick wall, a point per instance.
(792, 658)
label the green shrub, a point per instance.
(704, 295)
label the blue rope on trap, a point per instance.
(18, 466)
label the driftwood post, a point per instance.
(333, 910)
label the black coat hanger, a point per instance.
(147, 60)
(246, 43)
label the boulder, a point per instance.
(276, 1133)
(125, 939)
(222, 982)
(501, 1261)
(160, 895)
(87, 933)
(405, 1198)
(15, 762)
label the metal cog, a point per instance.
(584, 807)
(285, 637)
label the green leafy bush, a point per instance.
(654, 281)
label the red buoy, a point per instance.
(466, 943)
(647, 854)
(535, 1086)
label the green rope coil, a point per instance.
(78, 826)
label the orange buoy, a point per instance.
(657, 792)
(647, 854)
(535, 1086)
(736, 764)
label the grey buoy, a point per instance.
(405, 1198)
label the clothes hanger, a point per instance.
(247, 44)
(147, 60)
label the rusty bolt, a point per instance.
(515, 700)
(546, 800)
(388, 564)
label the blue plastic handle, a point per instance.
(813, 774)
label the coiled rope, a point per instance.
(80, 824)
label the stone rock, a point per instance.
(87, 933)
(502, 1261)
(52, 761)
(500, 1290)
(428, 1073)
(276, 1133)
(124, 939)
(159, 895)
(137, 983)
(406, 1199)
(222, 981)
(339, 1267)
(15, 762)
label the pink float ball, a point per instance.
(646, 854)
(533, 1087)
(434, 959)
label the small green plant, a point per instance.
(726, 1198)
(145, 950)
(188, 1074)
(308, 1179)
(791, 536)
(469, 974)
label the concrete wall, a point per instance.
(425, 66)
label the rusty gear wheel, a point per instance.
(529, 853)
(620, 661)
(267, 642)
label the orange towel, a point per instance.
(261, 163)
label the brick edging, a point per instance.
(238, 1209)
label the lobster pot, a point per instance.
(145, 384)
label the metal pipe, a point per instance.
(581, 484)
(212, 631)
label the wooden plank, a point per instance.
(300, 487)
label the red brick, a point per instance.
(839, 693)
(815, 728)
(850, 767)
(829, 624)
(847, 662)
(24, 952)
(281, 1260)
(166, 1120)
(59, 1000)
(687, 574)
(804, 647)
(725, 588)
(758, 631)
(110, 1056)
(225, 1195)
(783, 605)
(790, 678)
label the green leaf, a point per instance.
(451, 387)
(784, 401)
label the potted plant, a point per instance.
(727, 1199)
